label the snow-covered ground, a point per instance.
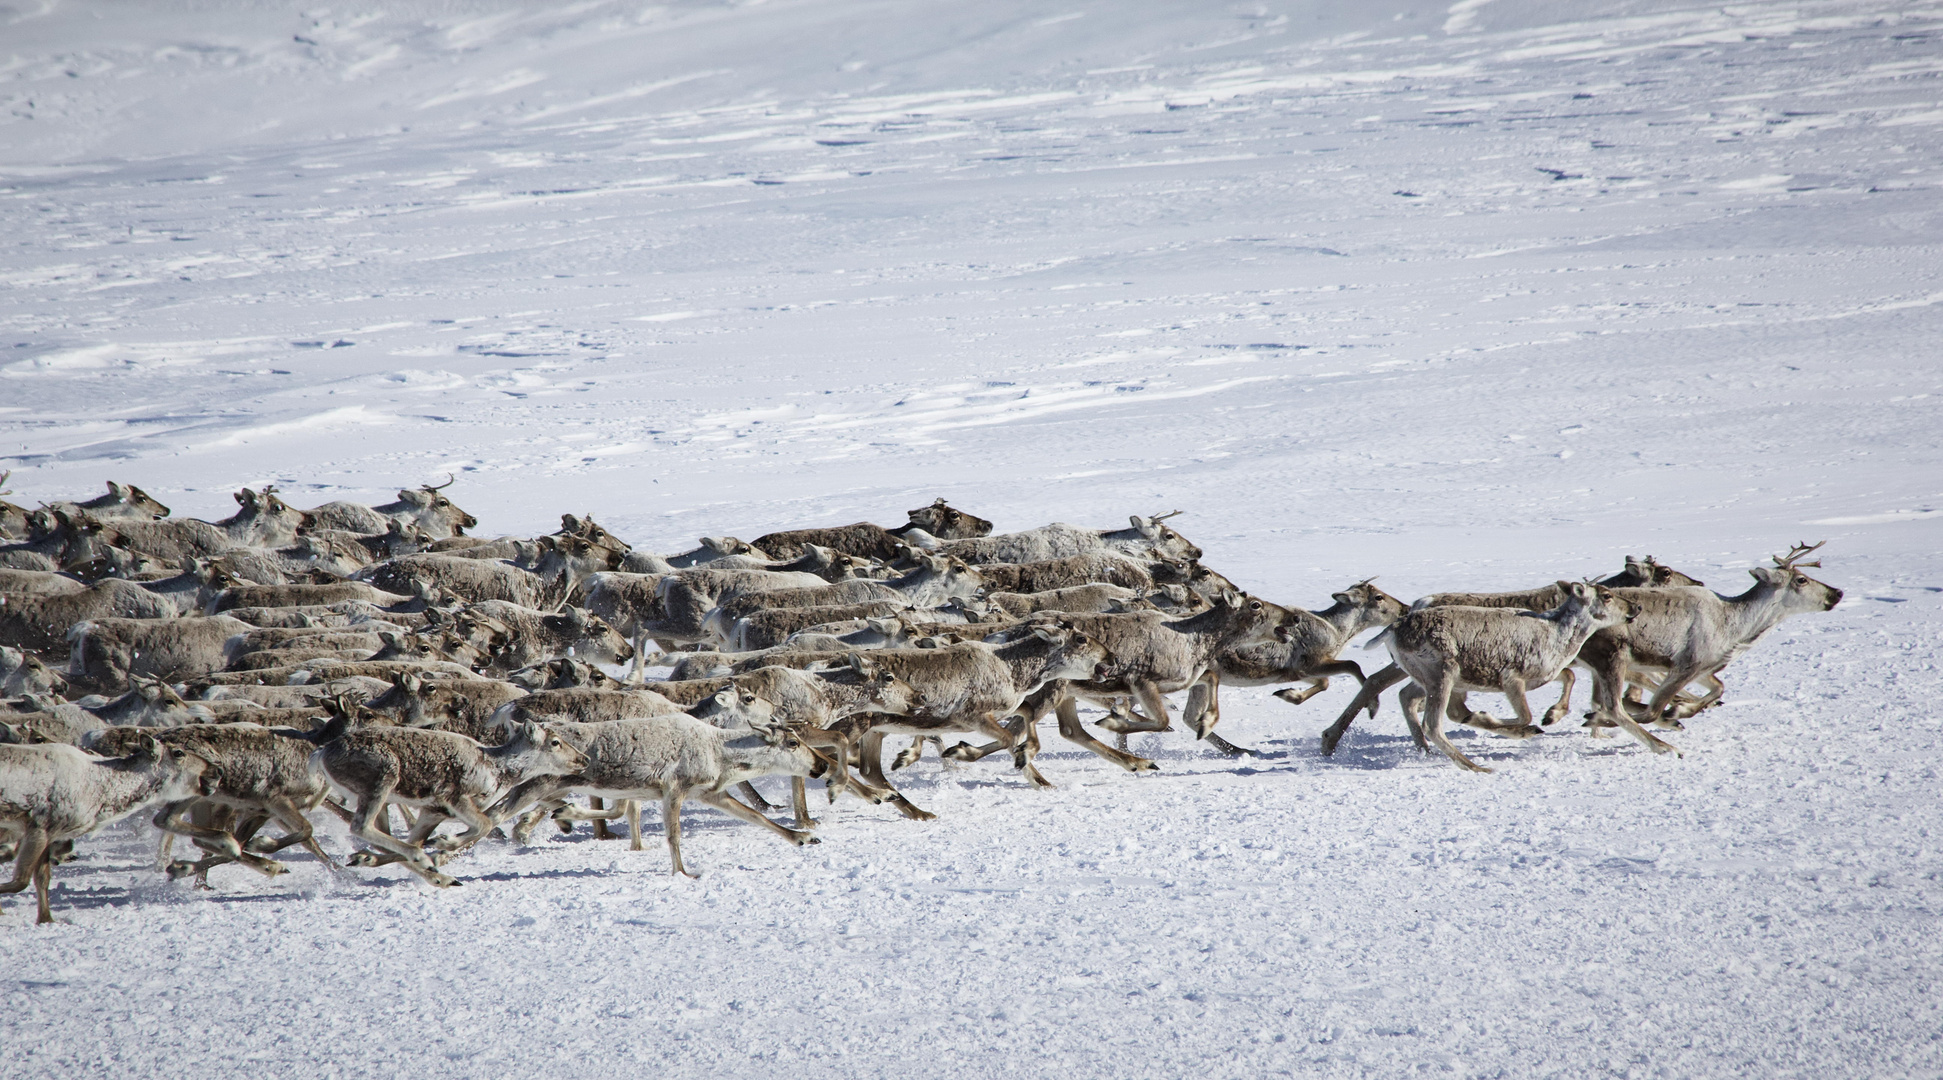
(1477, 296)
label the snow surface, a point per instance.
(1475, 296)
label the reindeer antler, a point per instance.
(1794, 556)
(1158, 518)
(448, 483)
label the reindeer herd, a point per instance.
(378, 663)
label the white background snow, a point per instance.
(1476, 296)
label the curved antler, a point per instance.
(448, 483)
(1795, 554)
(1158, 518)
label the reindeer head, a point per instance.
(532, 750)
(132, 497)
(1166, 541)
(1799, 591)
(1603, 606)
(946, 523)
(436, 512)
(1377, 607)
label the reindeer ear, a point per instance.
(1342, 598)
(391, 638)
(1045, 634)
(1144, 526)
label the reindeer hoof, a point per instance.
(179, 869)
(957, 752)
(362, 858)
(443, 881)
(1141, 764)
(260, 845)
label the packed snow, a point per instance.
(1477, 296)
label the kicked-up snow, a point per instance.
(1469, 296)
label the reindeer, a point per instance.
(107, 652)
(945, 523)
(24, 673)
(426, 508)
(675, 758)
(1646, 572)
(1305, 650)
(41, 623)
(1448, 649)
(1146, 538)
(934, 581)
(972, 687)
(445, 774)
(242, 594)
(1152, 655)
(1688, 634)
(514, 637)
(54, 794)
(256, 772)
(121, 501)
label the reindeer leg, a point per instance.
(1296, 697)
(1439, 701)
(1203, 709)
(600, 823)
(1366, 698)
(1318, 676)
(633, 808)
(297, 830)
(910, 754)
(367, 829)
(1023, 745)
(799, 797)
(1069, 727)
(638, 674)
(871, 765)
(1566, 679)
(728, 804)
(1514, 691)
(478, 824)
(1410, 699)
(170, 819)
(755, 798)
(30, 854)
(671, 825)
(43, 877)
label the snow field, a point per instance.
(1467, 296)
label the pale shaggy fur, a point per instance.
(56, 793)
